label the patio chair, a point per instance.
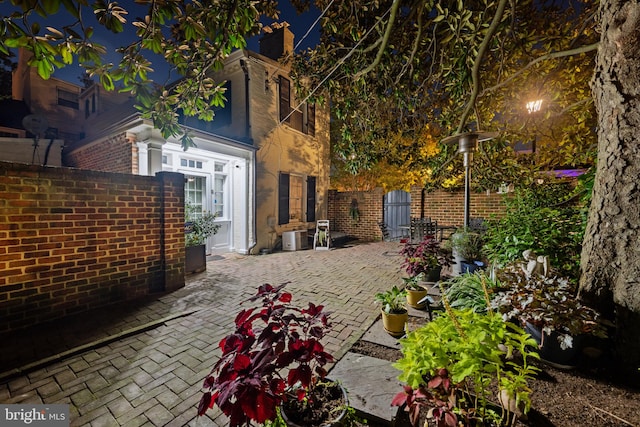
(322, 236)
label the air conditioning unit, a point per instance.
(294, 240)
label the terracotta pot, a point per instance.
(413, 296)
(394, 323)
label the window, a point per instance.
(303, 120)
(291, 195)
(218, 194)
(219, 185)
(194, 191)
(68, 99)
(295, 198)
(191, 163)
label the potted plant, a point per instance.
(198, 227)
(448, 363)
(468, 246)
(548, 308)
(426, 257)
(274, 362)
(394, 313)
(416, 290)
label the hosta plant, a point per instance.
(274, 355)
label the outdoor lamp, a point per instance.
(467, 145)
(534, 106)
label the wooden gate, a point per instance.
(397, 213)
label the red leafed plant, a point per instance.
(274, 354)
(439, 395)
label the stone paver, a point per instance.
(153, 375)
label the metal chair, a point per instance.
(322, 236)
(384, 229)
(422, 227)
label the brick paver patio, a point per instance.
(142, 364)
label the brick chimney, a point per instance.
(277, 41)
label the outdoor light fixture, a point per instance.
(534, 106)
(467, 145)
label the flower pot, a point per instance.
(550, 350)
(329, 399)
(415, 295)
(433, 275)
(195, 260)
(394, 323)
(470, 266)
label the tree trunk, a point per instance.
(611, 249)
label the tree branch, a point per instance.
(475, 71)
(385, 40)
(552, 55)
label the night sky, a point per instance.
(299, 25)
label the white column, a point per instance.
(143, 158)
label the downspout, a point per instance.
(247, 122)
(247, 134)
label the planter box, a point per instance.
(195, 260)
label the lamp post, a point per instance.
(467, 145)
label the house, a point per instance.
(262, 164)
(28, 132)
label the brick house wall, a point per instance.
(121, 152)
(73, 240)
(446, 207)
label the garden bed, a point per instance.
(563, 398)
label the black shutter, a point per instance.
(311, 119)
(283, 199)
(285, 100)
(311, 199)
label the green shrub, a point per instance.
(467, 291)
(536, 220)
(450, 363)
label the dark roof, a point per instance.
(12, 112)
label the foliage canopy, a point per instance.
(398, 66)
(193, 38)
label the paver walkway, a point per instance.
(143, 364)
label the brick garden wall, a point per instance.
(443, 206)
(370, 207)
(447, 207)
(72, 240)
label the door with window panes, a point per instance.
(211, 198)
